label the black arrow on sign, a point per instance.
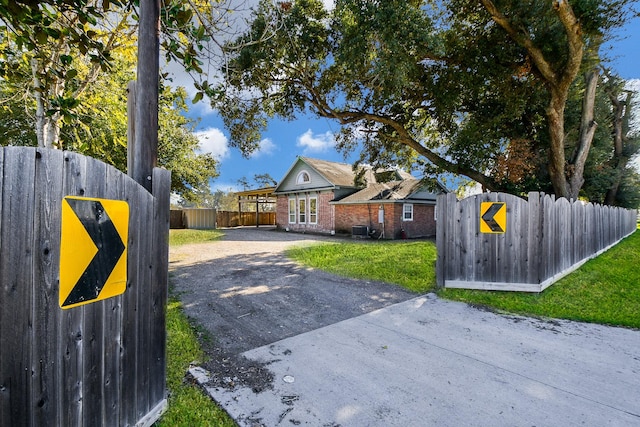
(488, 217)
(100, 228)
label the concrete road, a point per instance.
(429, 362)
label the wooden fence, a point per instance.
(99, 364)
(210, 218)
(544, 240)
(235, 219)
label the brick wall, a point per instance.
(341, 218)
(282, 212)
(423, 224)
(361, 214)
(324, 212)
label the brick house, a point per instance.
(319, 196)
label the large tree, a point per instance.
(61, 47)
(457, 90)
(98, 127)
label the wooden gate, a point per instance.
(102, 363)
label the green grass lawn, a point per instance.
(604, 290)
(410, 264)
(183, 237)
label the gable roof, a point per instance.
(324, 174)
(410, 189)
(335, 175)
(338, 174)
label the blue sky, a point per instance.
(313, 137)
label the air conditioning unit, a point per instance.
(360, 231)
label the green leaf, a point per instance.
(41, 37)
(66, 59)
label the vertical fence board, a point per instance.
(72, 332)
(47, 358)
(157, 350)
(16, 290)
(533, 239)
(452, 234)
(442, 214)
(93, 321)
(5, 404)
(111, 391)
(130, 349)
(486, 248)
(466, 242)
(144, 308)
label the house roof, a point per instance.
(265, 191)
(401, 185)
(333, 175)
(408, 189)
(338, 174)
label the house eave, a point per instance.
(303, 190)
(384, 202)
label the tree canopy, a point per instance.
(470, 87)
(64, 70)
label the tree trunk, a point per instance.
(555, 118)
(621, 113)
(41, 122)
(587, 130)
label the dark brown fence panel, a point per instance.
(100, 364)
(544, 240)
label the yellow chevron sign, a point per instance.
(93, 250)
(493, 217)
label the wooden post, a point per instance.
(145, 148)
(131, 125)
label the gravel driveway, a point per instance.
(246, 294)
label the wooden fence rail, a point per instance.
(545, 239)
(99, 364)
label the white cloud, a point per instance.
(267, 147)
(329, 4)
(227, 187)
(316, 143)
(213, 141)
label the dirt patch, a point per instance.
(246, 294)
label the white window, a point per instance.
(302, 211)
(303, 178)
(313, 210)
(292, 211)
(407, 212)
